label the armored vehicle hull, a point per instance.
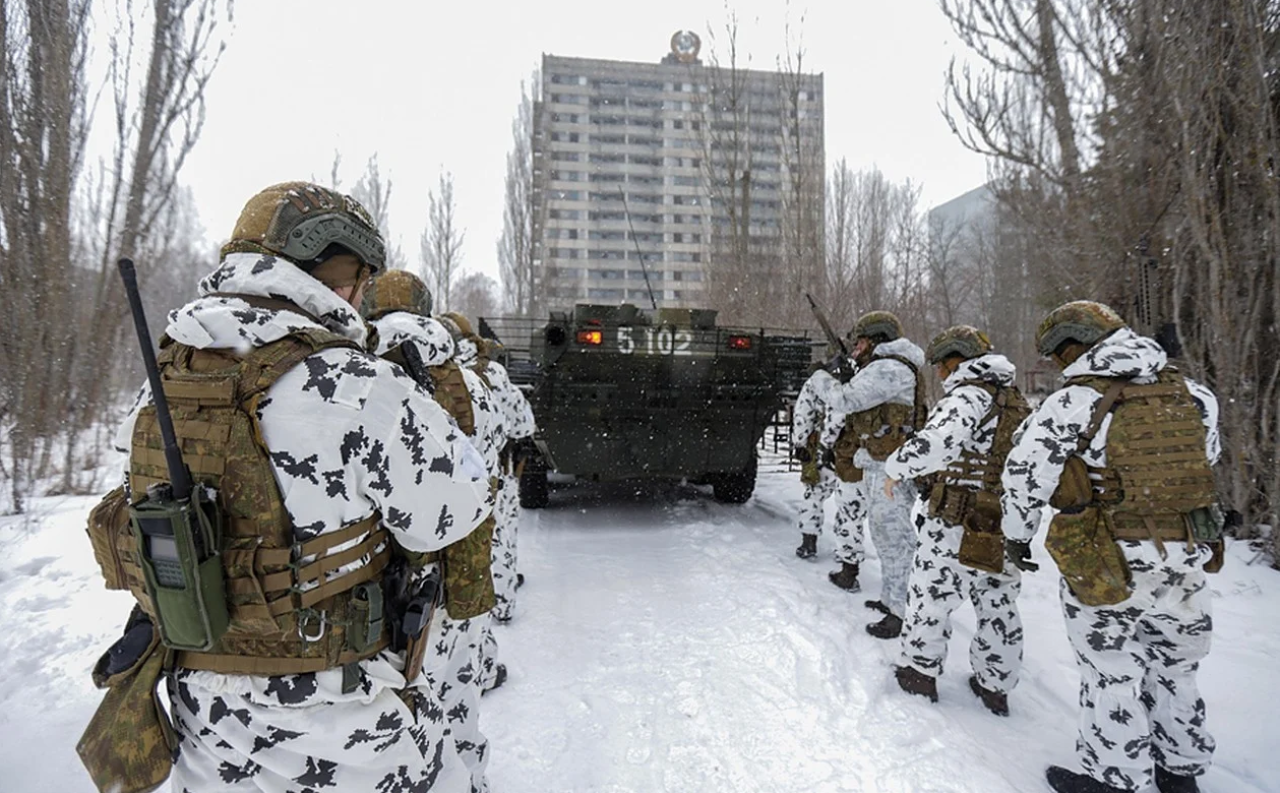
(623, 393)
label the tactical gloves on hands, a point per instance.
(802, 454)
(1018, 552)
(827, 457)
(840, 368)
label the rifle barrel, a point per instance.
(179, 477)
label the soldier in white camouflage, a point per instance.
(359, 455)
(960, 451)
(398, 305)
(871, 416)
(1124, 451)
(820, 480)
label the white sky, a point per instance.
(431, 85)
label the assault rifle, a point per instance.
(840, 366)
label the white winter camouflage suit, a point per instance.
(348, 434)
(809, 416)
(881, 382)
(450, 662)
(1137, 659)
(939, 583)
(517, 418)
(486, 647)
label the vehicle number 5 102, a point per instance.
(654, 341)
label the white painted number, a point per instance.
(626, 345)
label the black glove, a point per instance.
(1018, 553)
(827, 456)
(802, 454)
(840, 368)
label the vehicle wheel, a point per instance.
(735, 488)
(534, 491)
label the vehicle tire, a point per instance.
(735, 488)
(534, 491)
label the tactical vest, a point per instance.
(982, 470)
(467, 563)
(289, 612)
(1157, 475)
(882, 429)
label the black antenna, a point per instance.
(179, 477)
(639, 253)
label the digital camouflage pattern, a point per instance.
(128, 745)
(347, 434)
(395, 290)
(960, 426)
(886, 380)
(965, 341)
(882, 324)
(1137, 660)
(1082, 321)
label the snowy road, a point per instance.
(665, 642)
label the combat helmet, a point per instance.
(965, 341)
(459, 321)
(1083, 321)
(879, 326)
(299, 220)
(395, 290)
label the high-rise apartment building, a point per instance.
(636, 165)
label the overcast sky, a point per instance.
(431, 85)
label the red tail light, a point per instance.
(739, 342)
(590, 337)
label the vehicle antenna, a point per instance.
(640, 254)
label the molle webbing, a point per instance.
(276, 586)
(884, 428)
(1156, 472)
(973, 469)
(452, 395)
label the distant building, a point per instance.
(620, 177)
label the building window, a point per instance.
(565, 214)
(644, 140)
(610, 139)
(567, 176)
(641, 159)
(566, 195)
(608, 157)
(563, 137)
(684, 181)
(606, 294)
(569, 99)
(653, 256)
(638, 275)
(606, 254)
(566, 156)
(564, 253)
(606, 235)
(607, 275)
(571, 118)
(609, 177)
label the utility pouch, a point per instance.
(1088, 557)
(367, 614)
(129, 744)
(1219, 558)
(177, 544)
(1075, 490)
(809, 474)
(1206, 523)
(982, 544)
(468, 577)
(107, 521)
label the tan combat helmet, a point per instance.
(460, 322)
(879, 326)
(299, 220)
(965, 341)
(1082, 321)
(395, 290)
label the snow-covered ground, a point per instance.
(665, 642)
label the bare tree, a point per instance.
(441, 244)
(475, 295)
(1133, 144)
(517, 251)
(373, 191)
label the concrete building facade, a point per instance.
(631, 171)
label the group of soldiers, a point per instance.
(364, 455)
(1120, 457)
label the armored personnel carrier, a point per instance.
(621, 392)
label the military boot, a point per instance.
(808, 546)
(846, 577)
(499, 677)
(916, 682)
(519, 580)
(888, 628)
(1064, 781)
(1169, 782)
(995, 702)
(876, 605)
